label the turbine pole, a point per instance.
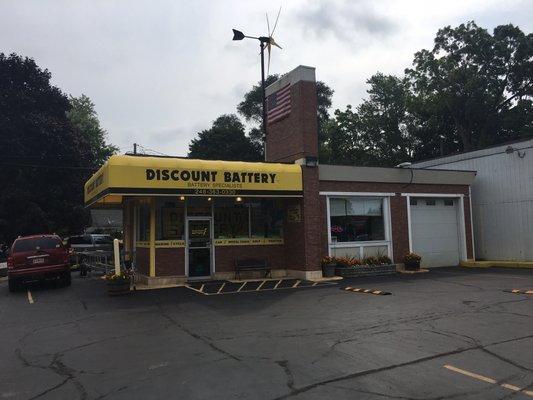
(263, 96)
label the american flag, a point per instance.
(279, 104)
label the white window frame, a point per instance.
(385, 198)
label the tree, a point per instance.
(84, 119)
(377, 133)
(479, 84)
(251, 108)
(225, 140)
(45, 160)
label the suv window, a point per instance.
(103, 240)
(42, 243)
(86, 239)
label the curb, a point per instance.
(497, 264)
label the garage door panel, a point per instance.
(434, 232)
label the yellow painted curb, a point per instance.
(497, 264)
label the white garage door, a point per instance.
(434, 230)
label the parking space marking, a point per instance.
(30, 297)
(221, 287)
(488, 380)
(262, 286)
(369, 291)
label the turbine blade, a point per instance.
(273, 43)
(276, 23)
(268, 24)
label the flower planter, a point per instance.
(119, 287)
(365, 270)
(328, 270)
(413, 265)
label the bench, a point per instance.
(251, 264)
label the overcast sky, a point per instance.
(160, 71)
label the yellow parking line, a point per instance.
(260, 286)
(30, 297)
(277, 284)
(221, 287)
(489, 380)
(296, 284)
(244, 284)
(470, 374)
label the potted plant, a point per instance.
(411, 262)
(328, 266)
(118, 285)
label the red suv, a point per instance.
(37, 257)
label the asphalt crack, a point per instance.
(304, 389)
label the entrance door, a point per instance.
(199, 247)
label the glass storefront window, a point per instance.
(356, 219)
(266, 218)
(170, 220)
(231, 219)
(144, 223)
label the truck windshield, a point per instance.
(42, 243)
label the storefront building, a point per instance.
(190, 219)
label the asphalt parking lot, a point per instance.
(447, 334)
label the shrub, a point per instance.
(384, 260)
(329, 260)
(371, 261)
(411, 257)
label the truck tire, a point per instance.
(13, 284)
(66, 278)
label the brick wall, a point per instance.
(170, 262)
(225, 256)
(295, 136)
(142, 259)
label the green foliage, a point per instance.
(45, 160)
(225, 140)
(377, 132)
(472, 90)
(84, 119)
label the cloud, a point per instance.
(348, 21)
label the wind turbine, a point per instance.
(264, 42)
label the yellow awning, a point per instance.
(124, 175)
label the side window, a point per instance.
(430, 202)
(413, 202)
(448, 202)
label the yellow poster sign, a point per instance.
(134, 175)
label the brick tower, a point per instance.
(292, 136)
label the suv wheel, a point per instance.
(13, 284)
(66, 278)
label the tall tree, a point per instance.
(45, 160)
(377, 132)
(225, 140)
(84, 119)
(481, 83)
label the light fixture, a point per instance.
(238, 199)
(182, 198)
(209, 199)
(311, 161)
